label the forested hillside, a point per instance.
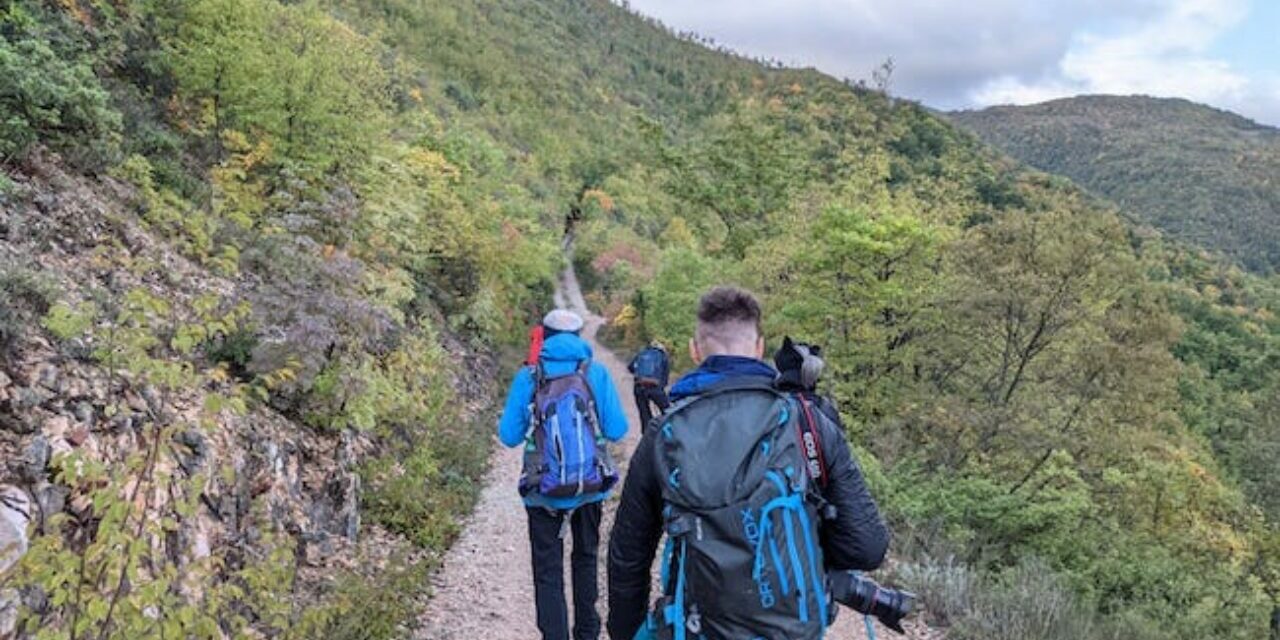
(258, 256)
(1197, 173)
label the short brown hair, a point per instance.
(726, 314)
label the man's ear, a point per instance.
(693, 351)
(759, 347)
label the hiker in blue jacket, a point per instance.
(567, 470)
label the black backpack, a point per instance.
(742, 558)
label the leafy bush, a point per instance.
(411, 493)
(1028, 600)
(235, 349)
(413, 497)
(367, 607)
(25, 294)
(50, 95)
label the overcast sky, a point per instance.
(964, 53)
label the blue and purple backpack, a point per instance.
(566, 454)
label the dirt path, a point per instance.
(484, 590)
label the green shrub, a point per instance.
(415, 497)
(1029, 600)
(52, 97)
(24, 294)
(362, 607)
(429, 474)
(235, 349)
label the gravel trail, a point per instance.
(484, 590)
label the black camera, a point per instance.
(865, 596)
(799, 365)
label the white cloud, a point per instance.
(1164, 57)
(941, 49)
(954, 53)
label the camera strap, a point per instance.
(810, 442)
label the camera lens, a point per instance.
(865, 596)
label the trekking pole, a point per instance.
(871, 626)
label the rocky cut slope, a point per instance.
(144, 458)
(246, 336)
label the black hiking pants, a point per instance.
(647, 394)
(548, 571)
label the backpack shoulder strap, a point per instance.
(583, 371)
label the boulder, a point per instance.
(35, 459)
(51, 498)
(15, 514)
(84, 413)
(29, 397)
(196, 450)
(77, 388)
(56, 427)
(10, 600)
(46, 375)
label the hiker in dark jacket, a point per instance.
(551, 518)
(651, 369)
(728, 346)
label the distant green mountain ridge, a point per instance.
(1200, 174)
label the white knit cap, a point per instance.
(563, 320)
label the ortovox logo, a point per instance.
(766, 595)
(749, 528)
